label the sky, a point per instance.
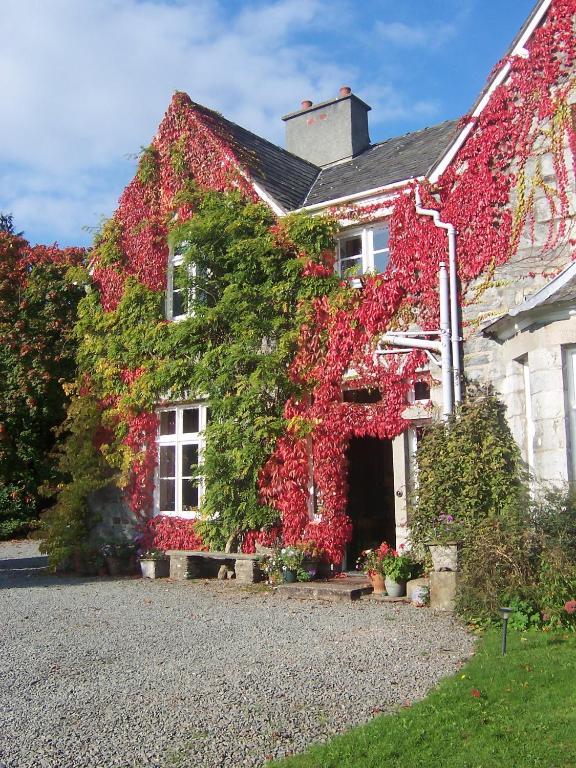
(85, 83)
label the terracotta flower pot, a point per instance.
(114, 565)
(377, 582)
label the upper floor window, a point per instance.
(185, 285)
(364, 250)
(177, 295)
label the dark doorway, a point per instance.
(370, 495)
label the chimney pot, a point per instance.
(306, 104)
(345, 91)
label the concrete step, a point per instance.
(344, 588)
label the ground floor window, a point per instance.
(570, 394)
(180, 445)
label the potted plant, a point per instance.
(154, 564)
(371, 563)
(313, 558)
(397, 566)
(388, 569)
(285, 564)
(119, 556)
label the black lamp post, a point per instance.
(505, 613)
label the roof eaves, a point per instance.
(535, 302)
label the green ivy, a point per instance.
(67, 524)
(148, 167)
(247, 300)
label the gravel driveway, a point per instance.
(122, 672)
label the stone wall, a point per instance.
(113, 519)
(527, 370)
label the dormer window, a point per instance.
(364, 250)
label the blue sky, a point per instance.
(85, 83)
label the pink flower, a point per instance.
(570, 607)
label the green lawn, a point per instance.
(515, 711)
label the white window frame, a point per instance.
(366, 234)
(175, 259)
(178, 440)
(569, 355)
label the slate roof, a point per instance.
(397, 159)
(287, 178)
(293, 182)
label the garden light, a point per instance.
(505, 613)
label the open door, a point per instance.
(370, 496)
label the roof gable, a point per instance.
(284, 176)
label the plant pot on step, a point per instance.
(155, 569)
(312, 566)
(395, 588)
(289, 577)
(377, 581)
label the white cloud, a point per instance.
(415, 35)
(86, 83)
(390, 104)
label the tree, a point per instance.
(38, 298)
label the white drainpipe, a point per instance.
(447, 381)
(454, 318)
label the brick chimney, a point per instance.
(329, 132)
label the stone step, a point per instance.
(344, 589)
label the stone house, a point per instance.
(485, 207)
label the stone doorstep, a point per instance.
(345, 590)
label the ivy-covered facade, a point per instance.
(261, 344)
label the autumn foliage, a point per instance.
(38, 298)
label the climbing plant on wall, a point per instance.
(488, 193)
(271, 338)
(248, 283)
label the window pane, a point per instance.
(380, 239)
(179, 291)
(381, 261)
(361, 396)
(178, 304)
(189, 459)
(167, 495)
(351, 266)
(421, 390)
(191, 420)
(167, 461)
(350, 247)
(168, 422)
(189, 495)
